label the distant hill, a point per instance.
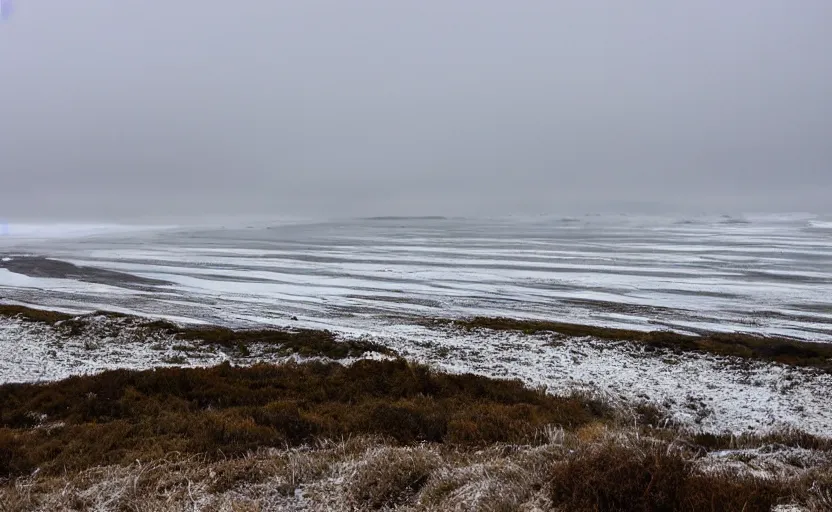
(405, 217)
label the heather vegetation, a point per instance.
(373, 435)
(121, 416)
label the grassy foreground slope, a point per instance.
(371, 435)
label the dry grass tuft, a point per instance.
(493, 483)
(387, 477)
(789, 437)
(621, 471)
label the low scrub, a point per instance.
(303, 342)
(33, 315)
(621, 475)
(121, 416)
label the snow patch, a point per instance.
(36, 352)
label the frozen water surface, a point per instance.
(765, 274)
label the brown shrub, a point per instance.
(120, 416)
(616, 476)
(785, 437)
(303, 342)
(32, 315)
(485, 422)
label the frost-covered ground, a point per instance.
(701, 392)
(37, 352)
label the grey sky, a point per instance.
(130, 107)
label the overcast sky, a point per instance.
(127, 108)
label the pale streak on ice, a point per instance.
(10, 279)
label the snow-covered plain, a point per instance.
(380, 278)
(764, 274)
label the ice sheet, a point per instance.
(768, 275)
